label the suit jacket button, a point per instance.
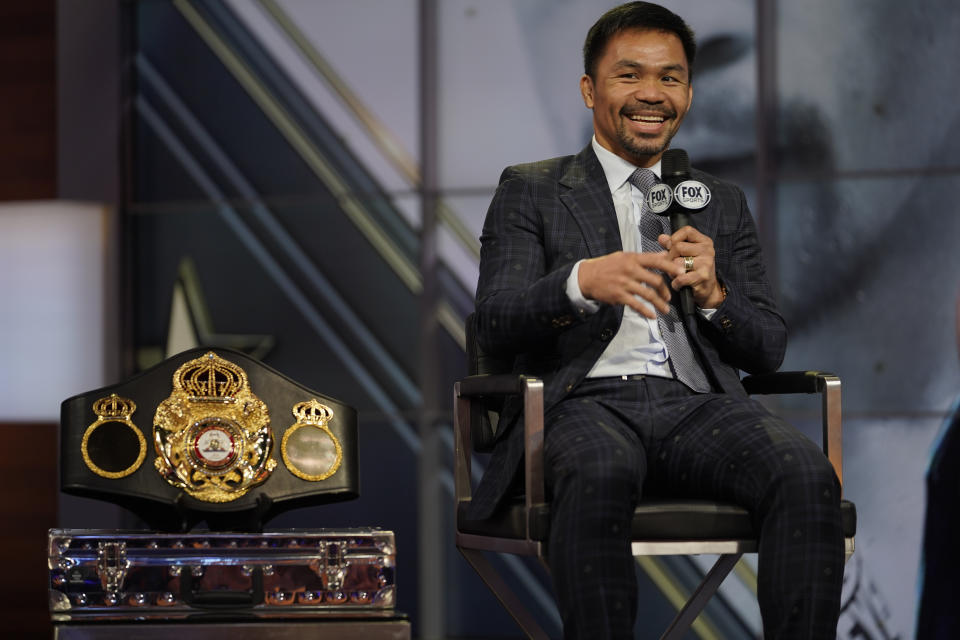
(606, 334)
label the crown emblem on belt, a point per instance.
(312, 412)
(114, 406)
(210, 379)
(212, 434)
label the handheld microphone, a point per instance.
(679, 198)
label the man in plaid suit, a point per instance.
(568, 291)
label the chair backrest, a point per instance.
(484, 416)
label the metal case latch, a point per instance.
(112, 565)
(335, 563)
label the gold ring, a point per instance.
(688, 263)
(111, 409)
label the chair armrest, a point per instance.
(827, 385)
(478, 386)
(485, 393)
(502, 384)
(786, 382)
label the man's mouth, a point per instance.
(647, 119)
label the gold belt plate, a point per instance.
(212, 434)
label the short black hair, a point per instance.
(635, 15)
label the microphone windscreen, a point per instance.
(674, 164)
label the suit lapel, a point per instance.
(584, 191)
(707, 221)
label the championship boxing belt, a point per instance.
(209, 435)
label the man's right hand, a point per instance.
(627, 278)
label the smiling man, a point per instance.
(576, 285)
(639, 90)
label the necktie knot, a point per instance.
(643, 179)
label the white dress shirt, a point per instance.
(637, 348)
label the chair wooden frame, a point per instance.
(525, 533)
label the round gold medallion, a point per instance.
(309, 448)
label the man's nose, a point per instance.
(648, 90)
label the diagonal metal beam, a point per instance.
(378, 132)
(301, 143)
(291, 248)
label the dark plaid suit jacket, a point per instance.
(547, 215)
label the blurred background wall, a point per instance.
(306, 180)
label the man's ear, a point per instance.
(586, 90)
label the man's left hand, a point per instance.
(687, 242)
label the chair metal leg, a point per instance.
(701, 596)
(504, 594)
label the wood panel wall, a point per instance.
(28, 92)
(28, 455)
(28, 485)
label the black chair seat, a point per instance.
(653, 519)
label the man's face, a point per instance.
(639, 94)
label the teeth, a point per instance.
(655, 119)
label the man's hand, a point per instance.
(627, 278)
(702, 279)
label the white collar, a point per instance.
(615, 168)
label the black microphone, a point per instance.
(684, 197)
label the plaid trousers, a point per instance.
(610, 441)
